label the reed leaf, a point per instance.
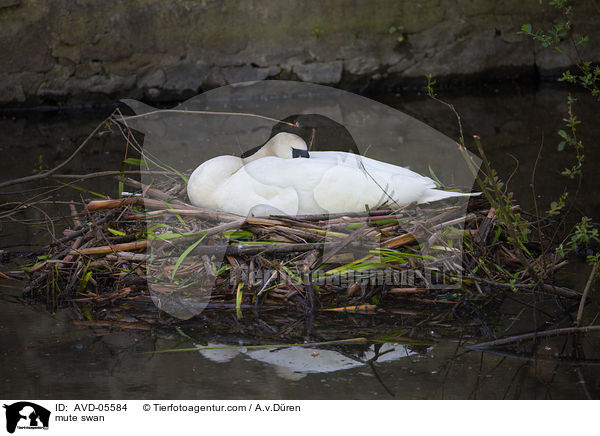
(184, 255)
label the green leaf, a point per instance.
(238, 300)
(121, 184)
(156, 226)
(116, 232)
(97, 194)
(184, 255)
(133, 161)
(561, 145)
(85, 276)
(434, 176)
(497, 235)
(86, 312)
(238, 234)
(85, 280)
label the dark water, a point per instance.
(46, 356)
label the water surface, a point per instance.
(45, 356)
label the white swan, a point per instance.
(272, 181)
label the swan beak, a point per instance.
(299, 153)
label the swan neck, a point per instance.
(263, 152)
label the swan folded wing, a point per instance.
(347, 189)
(244, 194)
(399, 185)
(302, 176)
(338, 183)
(367, 164)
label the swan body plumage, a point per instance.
(272, 181)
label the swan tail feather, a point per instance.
(437, 194)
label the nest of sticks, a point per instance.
(151, 258)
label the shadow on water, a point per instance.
(47, 356)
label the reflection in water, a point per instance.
(48, 357)
(293, 363)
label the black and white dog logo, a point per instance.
(26, 415)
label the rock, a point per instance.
(153, 79)
(153, 93)
(362, 65)
(58, 49)
(322, 72)
(215, 78)
(187, 76)
(12, 93)
(88, 69)
(248, 73)
(62, 86)
(420, 15)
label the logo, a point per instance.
(26, 415)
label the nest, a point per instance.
(151, 258)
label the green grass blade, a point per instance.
(238, 300)
(79, 188)
(184, 255)
(116, 232)
(121, 184)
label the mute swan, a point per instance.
(274, 180)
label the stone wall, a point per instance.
(99, 50)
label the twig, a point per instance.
(109, 173)
(144, 243)
(192, 211)
(586, 290)
(237, 250)
(343, 243)
(538, 359)
(550, 289)
(126, 255)
(147, 189)
(105, 249)
(113, 324)
(83, 231)
(397, 241)
(533, 335)
(48, 173)
(537, 211)
(127, 201)
(164, 209)
(182, 111)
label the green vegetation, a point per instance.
(317, 32)
(539, 264)
(562, 38)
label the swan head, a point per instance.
(321, 132)
(284, 145)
